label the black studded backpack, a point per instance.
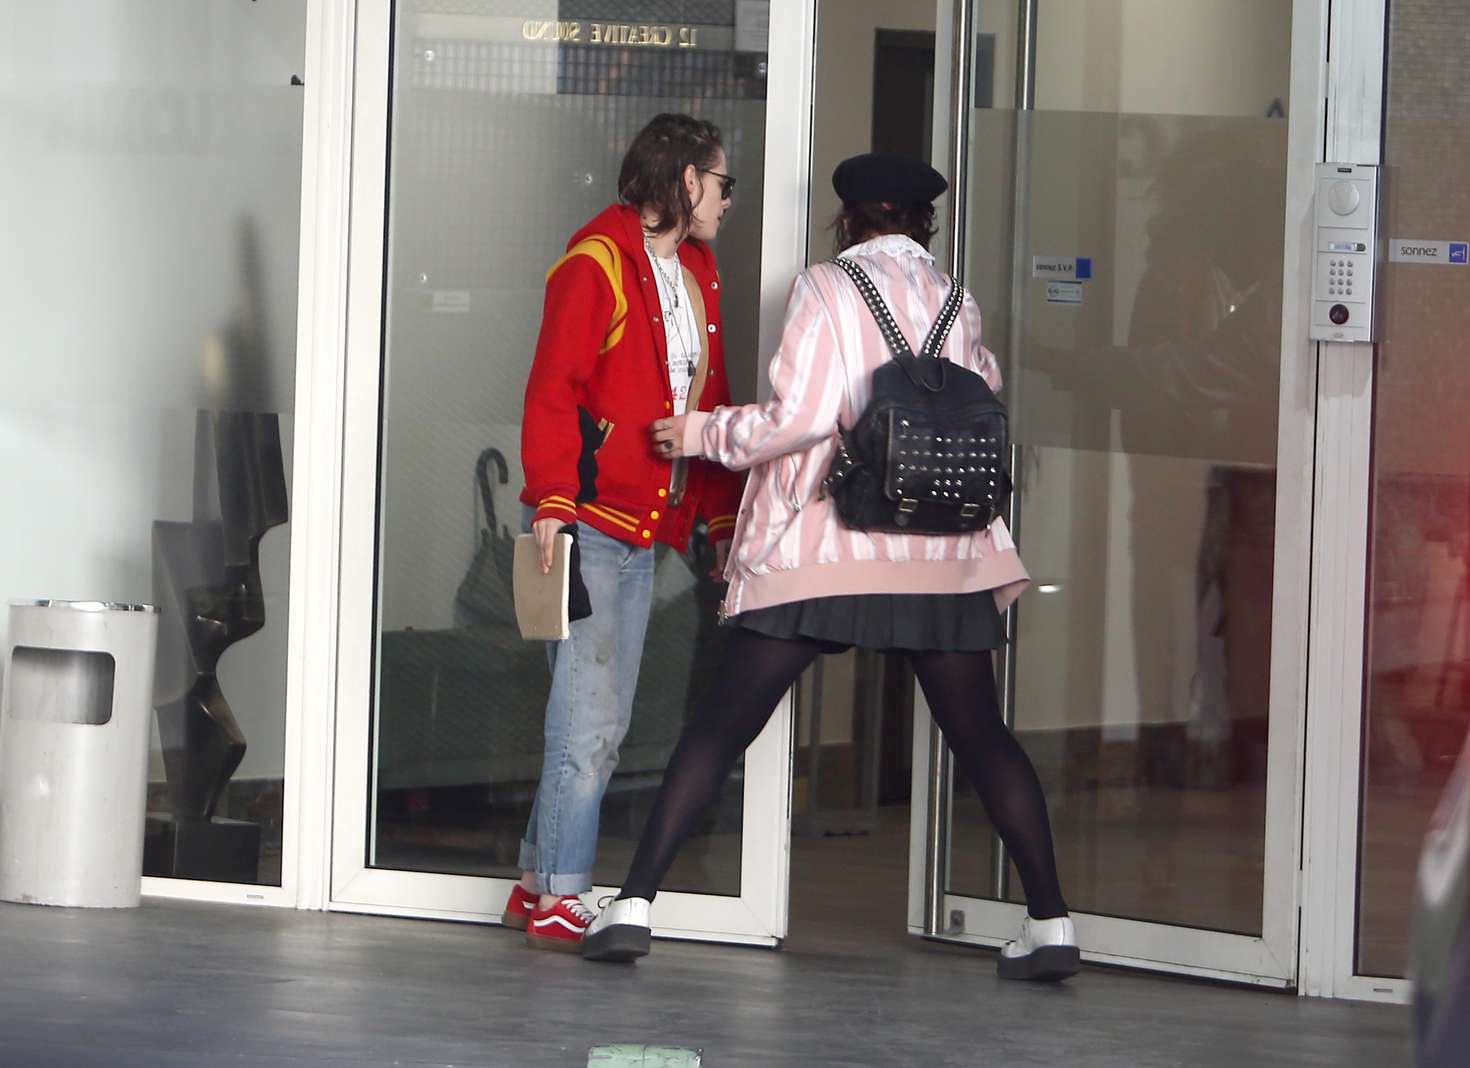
(930, 453)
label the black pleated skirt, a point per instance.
(887, 622)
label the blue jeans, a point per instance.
(593, 675)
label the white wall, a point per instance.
(1163, 57)
(140, 141)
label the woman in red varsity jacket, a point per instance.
(631, 333)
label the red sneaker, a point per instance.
(518, 909)
(560, 927)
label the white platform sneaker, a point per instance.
(1046, 952)
(621, 931)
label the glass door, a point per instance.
(1403, 699)
(1127, 171)
(482, 142)
(1417, 699)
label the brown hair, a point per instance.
(653, 170)
(856, 223)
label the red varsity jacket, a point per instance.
(600, 379)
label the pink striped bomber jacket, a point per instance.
(789, 543)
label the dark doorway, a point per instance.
(903, 93)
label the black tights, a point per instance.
(960, 689)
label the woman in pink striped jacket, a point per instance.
(802, 583)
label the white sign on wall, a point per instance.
(1062, 268)
(451, 301)
(1443, 253)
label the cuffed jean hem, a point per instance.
(553, 883)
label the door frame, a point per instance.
(341, 600)
(1334, 772)
(1272, 958)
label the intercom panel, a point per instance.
(1345, 281)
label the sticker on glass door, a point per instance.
(1064, 292)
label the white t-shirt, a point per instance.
(681, 329)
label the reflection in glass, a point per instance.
(503, 145)
(1418, 635)
(149, 294)
(1144, 401)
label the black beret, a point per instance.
(887, 178)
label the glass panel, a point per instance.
(1143, 386)
(507, 136)
(873, 85)
(853, 745)
(1418, 678)
(148, 290)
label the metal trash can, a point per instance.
(74, 752)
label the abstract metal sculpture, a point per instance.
(206, 575)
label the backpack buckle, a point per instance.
(907, 506)
(969, 511)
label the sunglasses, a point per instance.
(727, 184)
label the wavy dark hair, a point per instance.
(857, 223)
(652, 175)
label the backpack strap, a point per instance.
(948, 313)
(886, 324)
